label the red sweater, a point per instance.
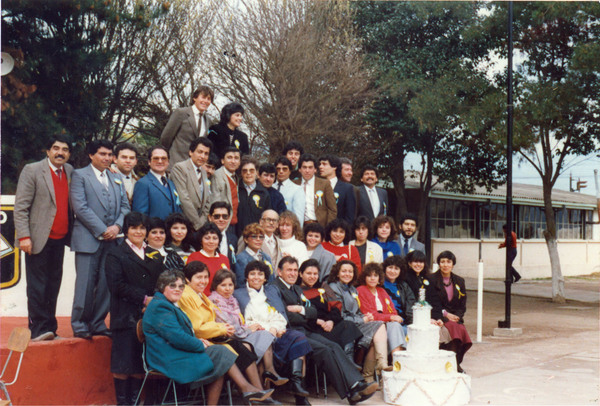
(60, 225)
(368, 304)
(213, 264)
(343, 253)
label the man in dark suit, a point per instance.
(187, 124)
(42, 219)
(99, 203)
(373, 201)
(408, 239)
(254, 198)
(330, 168)
(266, 177)
(220, 214)
(154, 195)
(320, 200)
(191, 181)
(329, 356)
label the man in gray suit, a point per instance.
(192, 182)
(407, 239)
(42, 220)
(186, 124)
(373, 201)
(99, 203)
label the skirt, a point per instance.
(222, 359)
(396, 335)
(293, 344)
(458, 332)
(260, 340)
(368, 330)
(245, 356)
(126, 353)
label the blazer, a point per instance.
(219, 186)
(202, 314)
(153, 199)
(432, 296)
(193, 194)
(180, 131)
(35, 204)
(325, 206)
(413, 245)
(244, 258)
(458, 304)
(368, 304)
(277, 200)
(171, 347)
(374, 253)
(91, 210)
(348, 296)
(364, 203)
(130, 279)
(294, 296)
(271, 292)
(326, 261)
(345, 201)
(251, 207)
(219, 135)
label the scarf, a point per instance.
(228, 311)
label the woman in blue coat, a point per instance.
(172, 348)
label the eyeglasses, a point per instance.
(174, 285)
(160, 158)
(257, 236)
(269, 220)
(220, 216)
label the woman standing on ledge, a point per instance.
(226, 133)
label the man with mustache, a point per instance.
(373, 201)
(42, 218)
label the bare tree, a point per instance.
(297, 67)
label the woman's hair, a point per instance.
(372, 268)
(156, 222)
(314, 228)
(188, 240)
(417, 256)
(134, 219)
(229, 110)
(167, 277)
(290, 217)
(208, 228)
(400, 262)
(252, 228)
(307, 264)
(193, 268)
(257, 266)
(378, 221)
(359, 222)
(220, 276)
(448, 255)
(334, 225)
(335, 270)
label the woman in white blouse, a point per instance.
(290, 235)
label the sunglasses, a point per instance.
(220, 216)
(257, 237)
(176, 286)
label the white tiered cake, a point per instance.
(424, 374)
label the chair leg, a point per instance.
(317, 379)
(325, 384)
(171, 382)
(137, 400)
(229, 392)
(3, 386)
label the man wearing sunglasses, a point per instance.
(220, 214)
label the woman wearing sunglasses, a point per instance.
(253, 236)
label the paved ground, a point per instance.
(556, 360)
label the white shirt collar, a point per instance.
(97, 172)
(284, 282)
(157, 176)
(333, 182)
(54, 168)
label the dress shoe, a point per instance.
(362, 391)
(105, 333)
(83, 334)
(301, 401)
(517, 278)
(274, 378)
(47, 336)
(257, 396)
(460, 370)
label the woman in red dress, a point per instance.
(337, 237)
(209, 238)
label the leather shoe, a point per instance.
(47, 336)
(257, 396)
(105, 333)
(83, 334)
(274, 378)
(362, 391)
(301, 401)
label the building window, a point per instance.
(532, 222)
(452, 219)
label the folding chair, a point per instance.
(18, 341)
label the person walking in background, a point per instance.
(512, 251)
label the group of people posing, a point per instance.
(245, 270)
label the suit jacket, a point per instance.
(242, 260)
(194, 198)
(326, 261)
(130, 279)
(171, 347)
(219, 135)
(293, 296)
(345, 201)
(35, 203)
(325, 206)
(219, 186)
(91, 210)
(458, 304)
(180, 131)
(251, 206)
(364, 204)
(153, 199)
(431, 294)
(413, 245)
(277, 200)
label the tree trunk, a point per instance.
(558, 282)
(399, 189)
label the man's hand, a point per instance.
(294, 308)
(26, 246)
(111, 232)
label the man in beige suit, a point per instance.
(192, 182)
(320, 200)
(42, 222)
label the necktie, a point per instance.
(59, 173)
(163, 179)
(104, 180)
(305, 183)
(405, 247)
(259, 256)
(279, 185)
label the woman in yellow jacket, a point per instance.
(200, 310)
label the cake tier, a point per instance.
(423, 339)
(410, 390)
(439, 363)
(421, 314)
